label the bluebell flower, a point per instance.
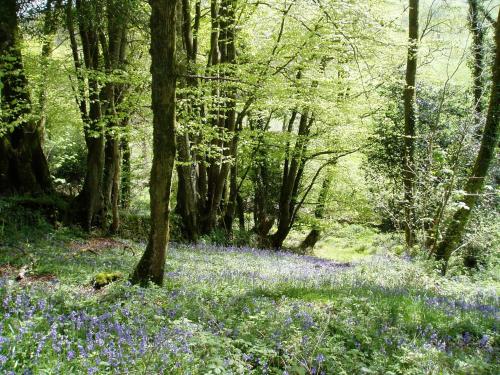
(70, 355)
(466, 338)
(484, 340)
(320, 358)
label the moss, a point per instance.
(104, 278)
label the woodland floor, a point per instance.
(227, 310)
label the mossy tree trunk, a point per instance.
(86, 208)
(187, 196)
(126, 172)
(485, 156)
(52, 8)
(163, 45)
(114, 47)
(223, 51)
(477, 30)
(410, 115)
(23, 165)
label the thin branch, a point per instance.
(316, 175)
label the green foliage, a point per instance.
(444, 148)
(23, 216)
(68, 164)
(136, 225)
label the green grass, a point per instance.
(349, 243)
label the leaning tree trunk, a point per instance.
(475, 183)
(163, 18)
(23, 166)
(410, 109)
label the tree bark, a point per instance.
(477, 30)
(23, 166)
(410, 114)
(223, 50)
(163, 45)
(187, 196)
(126, 177)
(293, 170)
(485, 156)
(114, 56)
(49, 30)
(264, 215)
(86, 208)
(315, 234)
(187, 205)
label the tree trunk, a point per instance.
(263, 211)
(49, 30)
(114, 56)
(224, 111)
(293, 170)
(187, 197)
(240, 210)
(187, 205)
(230, 205)
(315, 234)
(125, 184)
(23, 166)
(477, 31)
(86, 208)
(410, 112)
(476, 28)
(486, 154)
(163, 31)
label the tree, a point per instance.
(86, 208)
(100, 94)
(477, 30)
(50, 25)
(187, 194)
(114, 48)
(476, 180)
(23, 165)
(410, 110)
(163, 95)
(315, 234)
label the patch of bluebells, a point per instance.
(113, 341)
(228, 308)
